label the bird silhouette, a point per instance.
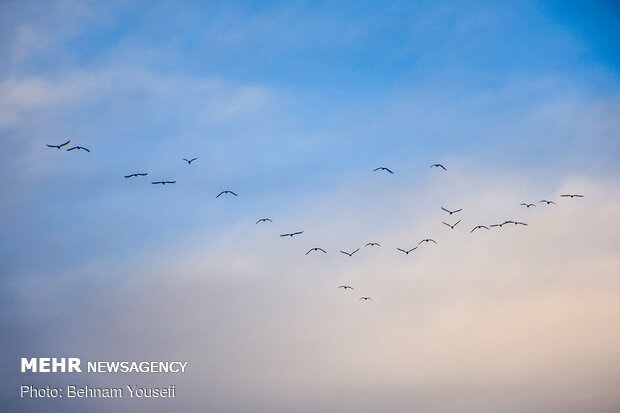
(163, 182)
(427, 240)
(291, 234)
(350, 254)
(134, 175)
(78, 147)
(438, 165)
(226, 192)
(365, 298)
(382, 168)
(452, 226)
(572, 196)
(527, 205)
(372, 244)
(346, 287)
(58, 146)
(264, 220)
(498, 225)
(407, 251)
(547, 202)
(452, 212)
(189, 161)
(316, 249)
(479, 227)
(514, 222)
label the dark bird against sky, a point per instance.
(382, 168)
(189, 161)
(316, 249)
(59, 146)
(264, 220)
(407, 251)
(479, 227)
(452, 226)
(78, 147)
(527, 205)
(547, 202)
(346, 287)
(427, 240)
(438, 165)
(136, 174)
(350, 254)
(163, 182)
(571, 196)
(226, 192)
(452, 212)
(372, 244)
(291, 234)
(514, 222)
(365, 298)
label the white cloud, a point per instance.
(527, 312)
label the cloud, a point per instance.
(521, 315)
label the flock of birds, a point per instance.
(370, 244)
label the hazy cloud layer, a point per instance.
(292, 106)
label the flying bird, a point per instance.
(407, 251)
(346, 287)
(514, 222)
(479, 227)
(316, 249)
(382, 168)
(263, 220)
(527, 205)
(59, 146)
(572, 196)
(427, 240)
(452, 212)
(547, 202)
(452, 226)
(163, 182)
(189, 161)
(134, 175)
(438, 165)
(78, 147)
(226, 192)
(350, 254)
(291, 234)
(372, 244)
(365, 298)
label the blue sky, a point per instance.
(292, 105)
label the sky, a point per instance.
(292, 105)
